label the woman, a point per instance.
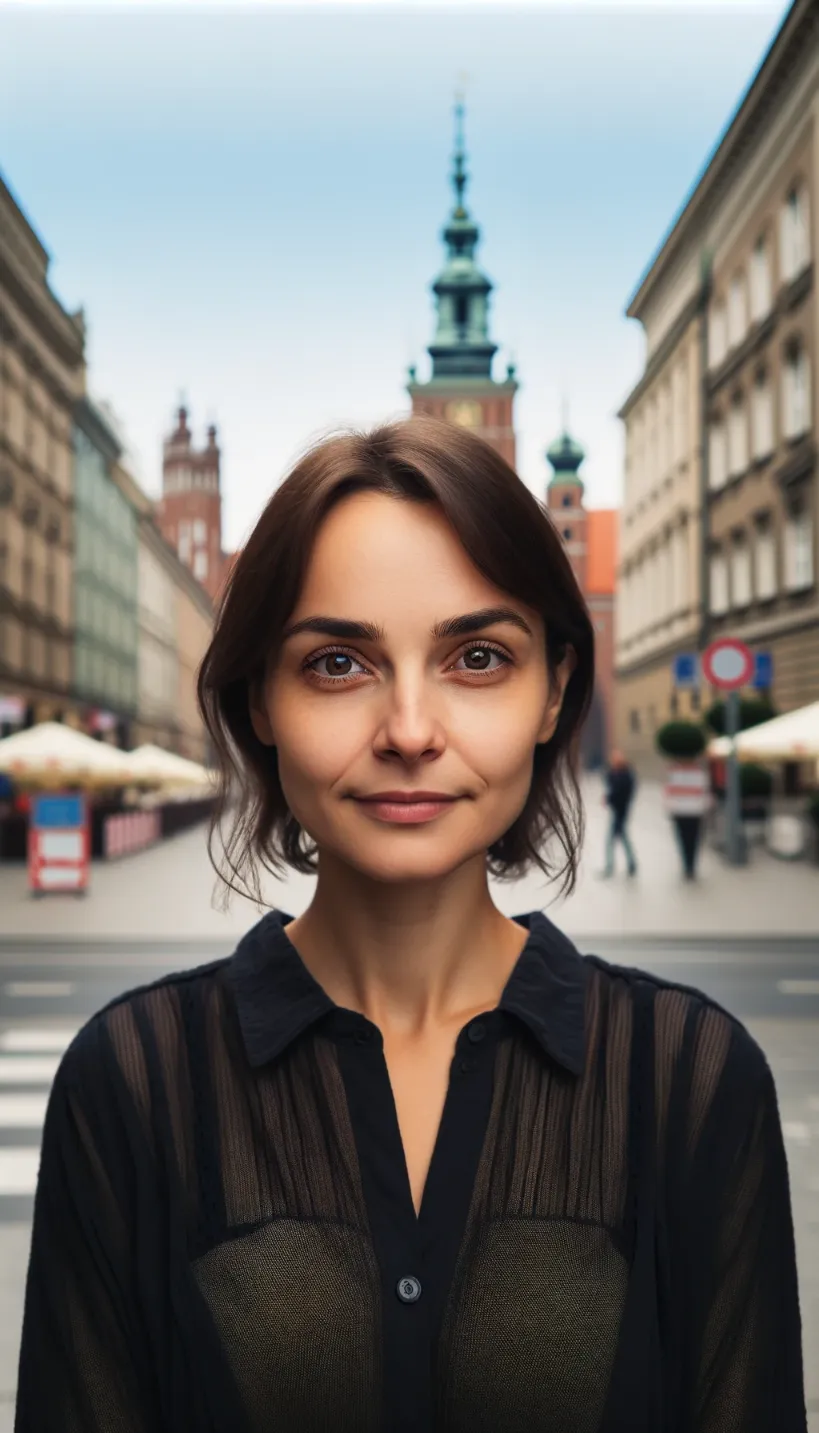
(401, 1163)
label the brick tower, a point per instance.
(461, 388)
(190, 510)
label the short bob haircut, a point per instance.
(510, 539)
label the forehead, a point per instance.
(379, 548)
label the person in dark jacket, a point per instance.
(620, 787)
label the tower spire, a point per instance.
(459, 176)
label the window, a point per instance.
(760, 280)
(737, 311)
(184, 541)
(461, 310)
(567, 500)
(762, 428)
(200, 564)
(765, 582)
(794, 245)
(795, 392)
(718, 575)
(567, 533)
(680, 439)
(799, 548)
(717, 336)
(741, 591)
(200, 532)
(737, 437)
(634, 719)
(717, 455)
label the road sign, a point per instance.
(58, 843)
(686, 669)
(728, 664)
(763, 670)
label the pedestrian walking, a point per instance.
(621, 784)
(688, 800)
(400, 1164)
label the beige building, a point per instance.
(41, 375)
(174, 626)
(719, 521)
(194, 618)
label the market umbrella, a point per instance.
(52, 755)
(794, 736)
(153, 765)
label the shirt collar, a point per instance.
(277, 998)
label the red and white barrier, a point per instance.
(130, 831)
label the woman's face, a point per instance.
(403, 706)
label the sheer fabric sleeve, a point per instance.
(744, 1327)
(84, 1363)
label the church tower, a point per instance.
(564, 501)
(190, 510)
(461, 388)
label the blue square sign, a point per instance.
(686, 669)
(763, 670)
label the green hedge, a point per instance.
(681, 739)
(754, 780)
(752, 712)
(813, 809)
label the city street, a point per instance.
(747, 937)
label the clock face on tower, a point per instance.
(466, 413)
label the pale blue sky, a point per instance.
(248, 203)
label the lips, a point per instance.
(408, 798)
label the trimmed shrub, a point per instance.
(754, 781)
(813, 809)
(681, 739)
(752, 712)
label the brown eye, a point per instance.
(478, 659)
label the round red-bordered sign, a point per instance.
(728, 664)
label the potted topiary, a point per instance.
(755, 787)
(681, 740)
(812, 812)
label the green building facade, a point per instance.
(105, 577)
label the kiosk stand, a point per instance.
(58, 844)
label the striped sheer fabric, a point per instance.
(204, 1259)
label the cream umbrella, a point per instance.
(794, 736)
(51, 755)
(153, 765)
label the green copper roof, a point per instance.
(461, 346)
(565, 456)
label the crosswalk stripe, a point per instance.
(26, 1070)
(18, 1171)
(22, 1111)
(26, 1040)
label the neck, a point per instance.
(414, 959)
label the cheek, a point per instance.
(316, 743)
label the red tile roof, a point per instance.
(601, 550)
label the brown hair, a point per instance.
(509, 538)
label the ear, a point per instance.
(259, 719)
(557, 689)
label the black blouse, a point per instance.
(224, 1237)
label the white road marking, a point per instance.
(796, 1131)
(46, 989)
(26, 1070)
(27, 1040)
(22, 1111)
(18, 1170)
(798, 987)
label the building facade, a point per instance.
(719, 521)
(589, 536)
(194, 628)
(461, 388)
(105, 581)
(190, 510)
(42, 373)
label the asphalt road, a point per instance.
(49, 988)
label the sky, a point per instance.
(247, 203)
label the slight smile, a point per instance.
(406, 808)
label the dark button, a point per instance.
(362, 1036)
(409, 1289)
(476, 1031)
(465, 1066)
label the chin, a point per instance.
(395, 861)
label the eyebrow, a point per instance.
(347, 630)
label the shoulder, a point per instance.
(694, 1041)
(118, 1037)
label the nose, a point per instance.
(410, 723)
